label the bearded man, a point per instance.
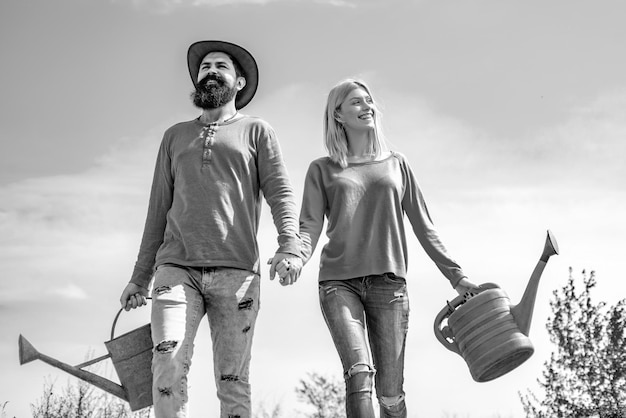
(199, 243)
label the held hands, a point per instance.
(466, 287)
(287, 266)
(133, 296)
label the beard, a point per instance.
(214, 95)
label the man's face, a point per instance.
(218, 82)
(220, 65)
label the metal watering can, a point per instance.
(131, 354)
(488, 331)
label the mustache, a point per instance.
(212, 77)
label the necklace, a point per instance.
(217, 121)
(230, 118)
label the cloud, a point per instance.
(70, 229)
(167, 6)
(589, 147)
(70, 291)
(585, 149)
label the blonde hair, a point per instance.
(335, 139)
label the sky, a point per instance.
(511, 113)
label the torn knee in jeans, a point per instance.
(359, 368)
(165, 347)
(359, 379)
(229, 378)
(389, 402)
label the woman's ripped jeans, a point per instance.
(374, 308)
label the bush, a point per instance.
(325, 395)
(586, 375)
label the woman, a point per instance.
(364, 191)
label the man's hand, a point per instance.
(287, 266)
(133, 296)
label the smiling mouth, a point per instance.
(366, 116)
(212, 80)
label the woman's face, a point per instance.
(357, 111)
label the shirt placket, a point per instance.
(208, 139)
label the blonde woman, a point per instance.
(364, 191)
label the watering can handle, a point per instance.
(115, 321)
(443, 334)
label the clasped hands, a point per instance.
(287, 266)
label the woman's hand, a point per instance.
(465, 286)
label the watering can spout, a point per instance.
(523, 311)
(28, 353)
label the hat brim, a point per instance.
(198, 50)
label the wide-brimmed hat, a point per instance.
(198, 50)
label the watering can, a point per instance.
(131, 354)
(488, 331)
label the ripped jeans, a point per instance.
(380, 304)
(180, 298)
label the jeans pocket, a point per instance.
(393, 279)
(165, 265)
(328, 284)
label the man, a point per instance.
(199, 242)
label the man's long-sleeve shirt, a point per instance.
(206, 197)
